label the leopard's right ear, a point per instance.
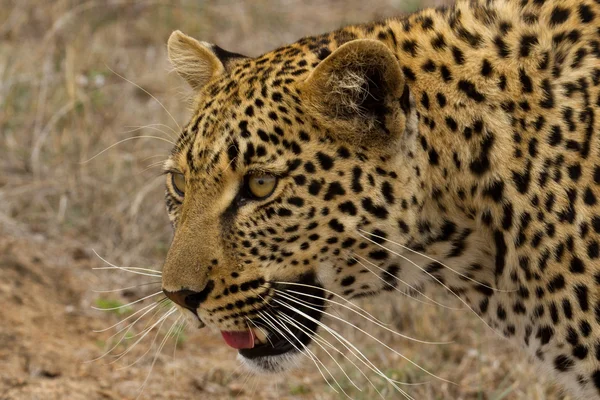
(359, 91)
(198, 62)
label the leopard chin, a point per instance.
(274, 364)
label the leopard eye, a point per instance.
(178, 181)
(261, 185)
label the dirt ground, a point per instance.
(71, 79)
(47, 336)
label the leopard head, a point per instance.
(287, 158)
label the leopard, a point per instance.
(452, 149)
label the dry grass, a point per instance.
(62, 101)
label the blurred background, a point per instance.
(80, 82)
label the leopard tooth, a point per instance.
(260, 336)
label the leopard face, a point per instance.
(268, 192)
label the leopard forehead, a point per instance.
(467, 132)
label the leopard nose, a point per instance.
(188, 298)
(185, 298)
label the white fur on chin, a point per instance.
(271, 364)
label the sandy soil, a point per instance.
(47, 336)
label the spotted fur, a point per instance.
(468, 133)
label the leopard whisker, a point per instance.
(178, 335)
(382, 343)
(128, 304)
(155, 156)
(264, 317)
(148, 93)
(153, 165)
(403, 282)
(126, 328)
(147, 350)
(340, 338)
(149, 321)
(160, 347)
(328, 371)
(234, 371)
(134, 270)
(126, 140)
(344, 342)
(155, 127)
(438, 281)
(234, 159)
(142, 333)
(126, 288)
(291, 322)
(270, 321)
(347, 343)
(285, 295)
(158, 323)
(246, 379)
(439, 262)
(368, 365)
(319, 338)
(275, 312)
(127, 270)
(255, 323)
(404, 293)
(271, 325)
(335, 295)
(126, 318)
(254, 387)
(136, 127)
(368, 319)
(311, 355)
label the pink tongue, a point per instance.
(239, 340)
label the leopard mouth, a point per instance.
(288, 324)
(277, 345)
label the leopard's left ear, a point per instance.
(357, 91)
(198, 62)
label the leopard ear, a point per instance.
(198, 62)
(359, 90)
